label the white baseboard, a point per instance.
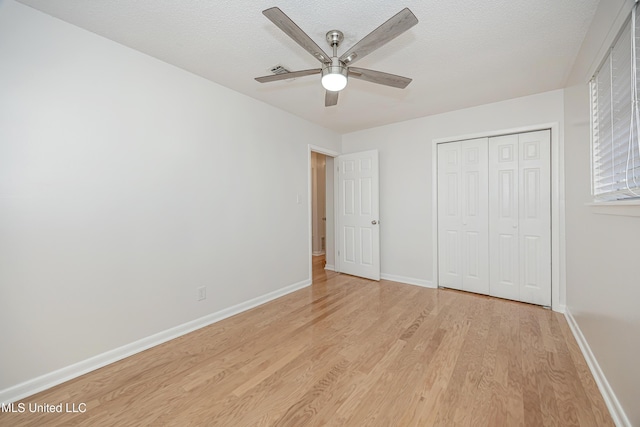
(318, 253)
(43, 382)
(617, 413)
(330, 267)
(560, 308)
(408, 280)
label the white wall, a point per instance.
(406, 236)
(127, 183)
(603, 283)
(602, 279)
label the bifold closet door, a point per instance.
(520, 217)
(463, 260)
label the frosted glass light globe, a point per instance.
(334, 82)
(334, 75)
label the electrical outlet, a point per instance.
(202, 293)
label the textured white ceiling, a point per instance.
(460, 54)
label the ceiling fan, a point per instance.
(335, 70)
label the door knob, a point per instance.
(374, 222)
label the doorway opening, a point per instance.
(321, 210)
(318, 204)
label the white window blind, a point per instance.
(615, 121)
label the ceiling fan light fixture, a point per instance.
(335, 69)
(334, 76)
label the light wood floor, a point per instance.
(348, 351)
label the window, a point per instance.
(615, 119)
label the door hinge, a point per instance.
(338, 253)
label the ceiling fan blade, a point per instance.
(379, 77)
(386, 32)
(290, 28)
(331, 98)
(287, 76)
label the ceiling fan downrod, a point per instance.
(334, 38)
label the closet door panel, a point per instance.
(449, 216)
(474, 216)
(504, 244)
(535, 217)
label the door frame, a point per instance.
(333, 154)
(558, 272)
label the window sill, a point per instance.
(618, 207)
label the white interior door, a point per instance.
(535, 217)
(520, 217)
(358, 208)
(475, 211)
(462, 216)
(504, 217)
(449, 216)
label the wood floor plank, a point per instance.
(578, 377)
(536, 371)
(440, 367)
(463, 381)
(479, 409)
(511, 366)
(348, 351)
